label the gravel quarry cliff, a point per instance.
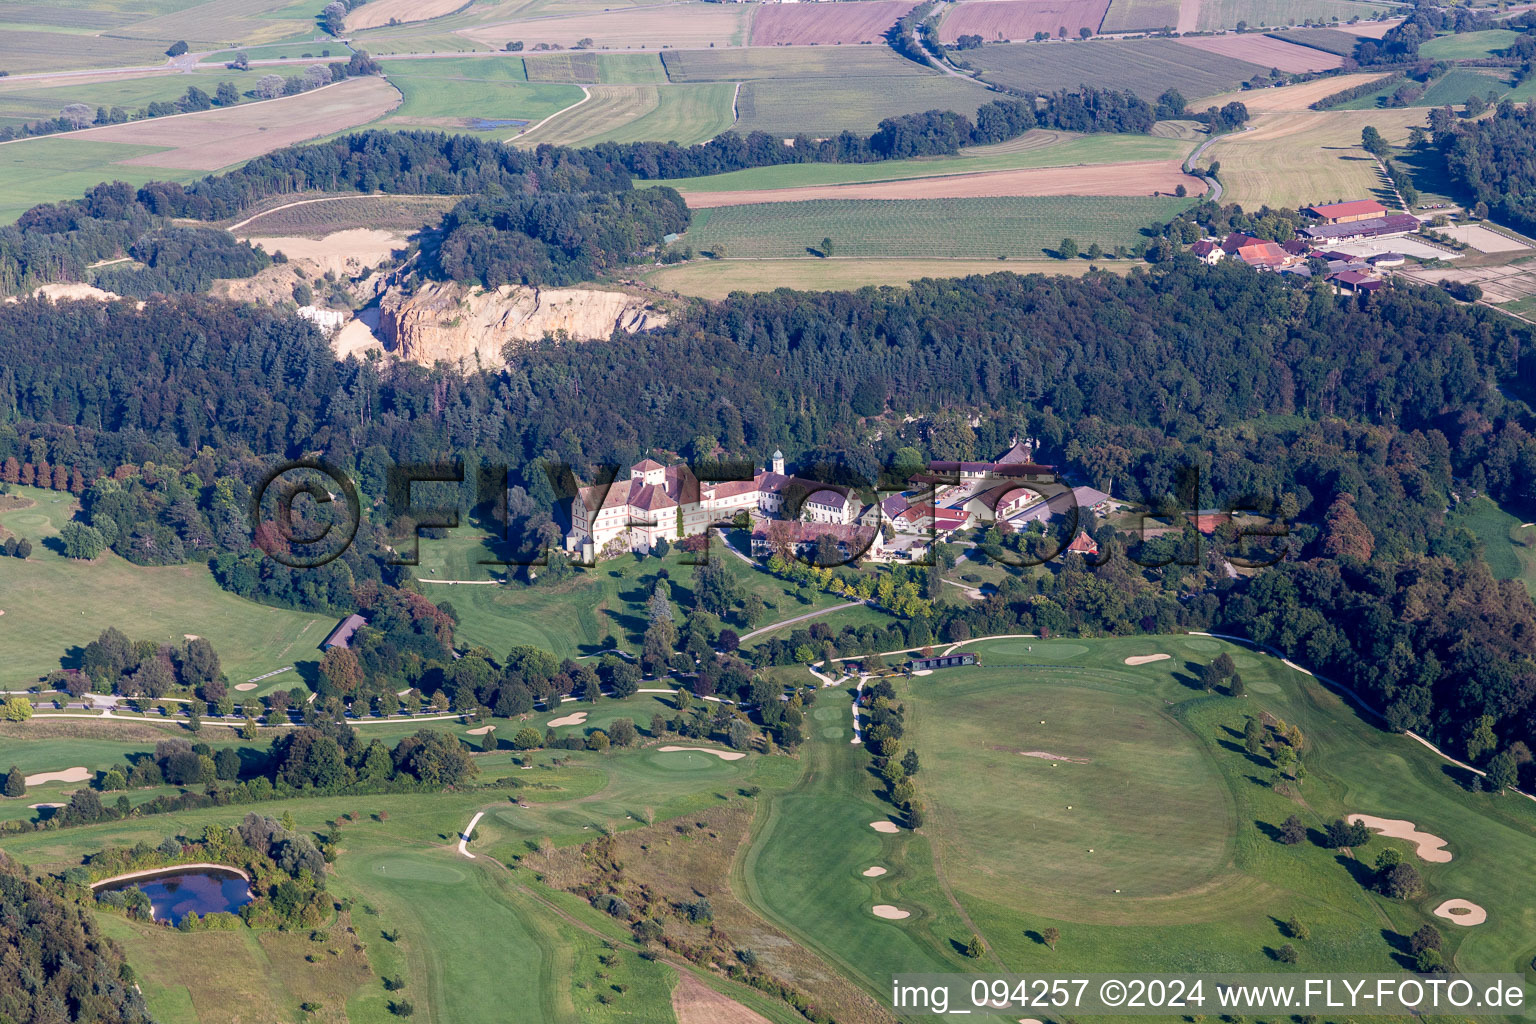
(473, 326)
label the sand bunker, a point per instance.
(1146, 659)
(874, 872)
(884, 826)
(1431, 848)
(480, 731)
(889, 912)
(724, 755)
(76, 774)
(1046, 755)
(922, 672)
(245, 687)
(1461, 912)
(37, 807)
(575, 719)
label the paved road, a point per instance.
(1215, 193)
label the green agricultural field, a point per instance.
(1467, 45)
(23, 51)
(1033, 149)
(1145, 66)
(589, 68)
(1014, 227)
(686, 114)
(1456, 85)
(54, 604)
(341, 213)
(472, 94)
(46, 170)
(575, 616)
(789, 107)
(1151, 776)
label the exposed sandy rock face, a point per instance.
(472, 326)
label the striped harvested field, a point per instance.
(1266, 51)
(1289, 97)
(1140, 178)
(1020, 19)
(827, 24)
(679, 25)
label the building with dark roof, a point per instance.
(1376, 227)
(341, 636)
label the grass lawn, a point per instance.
(1456, 85)
(400, 864)
(574, 616)
(1467, 45)
(1034, 149)
(1509, 547)
(1144, 66)
(1177, 814)
(54, 605)
(1027, 227)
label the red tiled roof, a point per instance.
(646, 465)
(996, 496)
(1353, 208)
(1019, 453)
(1083, 544)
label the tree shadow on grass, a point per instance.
(1469, 781)
(1361, 872)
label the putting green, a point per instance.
(1204, 646)
(411, 868)
(1263, 687)
(688, 761)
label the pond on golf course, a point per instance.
(177, 892)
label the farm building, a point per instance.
(1356, 281)
(341, 636)
(1208, 252)
(1375, 227)
(1387, 259)
(941, 661)
(1348, 213)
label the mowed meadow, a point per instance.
(55, 605)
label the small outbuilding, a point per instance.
(341, 636)
(941, 661)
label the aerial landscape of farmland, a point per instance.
(767, 512)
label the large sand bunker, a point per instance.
(889, 827)
(1431, 848)
(245, 687)
(76, 774)
(1146, 659)
(724, 755)
(480, 731)
(889, 912)
(572, 719)
(1463, 912)
(874, 872)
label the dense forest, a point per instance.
(1283, 395)
(57, 966)
(1495, 160)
